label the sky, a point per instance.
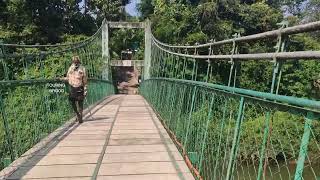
(131, 8)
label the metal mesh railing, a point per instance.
(33, 101)
(231, 134)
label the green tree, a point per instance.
(112, 10)
(43, 21)
(77, 22)
(146, 8)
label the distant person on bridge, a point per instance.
(78, 81)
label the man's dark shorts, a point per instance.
(76, 93)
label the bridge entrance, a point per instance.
(126, 72)
(126, 79)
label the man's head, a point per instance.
(76, 60)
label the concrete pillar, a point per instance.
(147, 50)
(105, 50)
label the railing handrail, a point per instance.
(306, 103)
(80, 43)
(313, 26)
(257, 56)
(41, 81)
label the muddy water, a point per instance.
(278, 171)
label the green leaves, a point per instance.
(123, 39)
(259, 17)
(198, 37)
(112, 10)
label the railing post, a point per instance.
(280, 47)
(304, 145)
(263, 148)
(195, 65)
(220, 138)
(177, 67)
(172, 95)
(156, 54)
(163, 67)
(208, 70)
(105, 49)
(193, 69)
(173, 66)
(236, 139)
(190, 115)
(147, 50)
(209, 62)
(204, 140)
(233, 64)
(167, 69)
(185, 65)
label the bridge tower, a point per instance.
(135, 66)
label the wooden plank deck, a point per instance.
(120, 140)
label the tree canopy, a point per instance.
(47, 21)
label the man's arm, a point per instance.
(85, 81)
(67, 77)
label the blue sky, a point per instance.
(130, 8)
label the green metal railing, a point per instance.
(29, 112)
(233, 133)
(228, 133)
(33, 101)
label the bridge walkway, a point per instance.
(121, 139)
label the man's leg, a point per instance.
(80, 104)
(74, 107)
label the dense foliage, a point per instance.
(47, 21)
(199, 21)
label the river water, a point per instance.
(278, 171)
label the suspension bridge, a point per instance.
(183, 124)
